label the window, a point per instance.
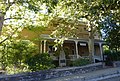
(51, 49)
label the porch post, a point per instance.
(44, 46)
(101, 50)
(41, 47)
(76, 46)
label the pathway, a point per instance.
(88, 76)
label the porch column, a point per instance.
(41, 47)
(101, 50)
(44, 46)
(76, 46)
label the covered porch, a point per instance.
(74, 49)
(79, 49)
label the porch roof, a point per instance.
(47, 37)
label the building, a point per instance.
(73, 47)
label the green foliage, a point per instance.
(67, 14)
(15, 52)
(39, 62)
(111, 30)
(81, 62)
(14, 70)
(20, 56)
(112, 55)
(23, 14)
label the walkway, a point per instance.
(88, 76)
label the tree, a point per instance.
(24, 13)
(110, 23)
(67, 15)
(90, 10)
(16, 15)
(111, 30)
(19, 50)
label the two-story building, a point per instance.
(74, 47)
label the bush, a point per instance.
(69, 63)
(112, 55)
(15, 52)
(39, 62)
(81, 62)
(15, 70)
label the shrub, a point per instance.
(39, 62)
(81, 62)
(14, 70)
(112, 55)
(69, 63)
(15, 52)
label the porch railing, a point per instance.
(72, 57)
(97, 57)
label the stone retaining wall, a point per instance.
(116, 64)
(53, 73)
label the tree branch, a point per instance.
(8, 37)
(11, 18)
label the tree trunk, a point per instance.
(91, 50)
(91, 46)
(1, 22)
